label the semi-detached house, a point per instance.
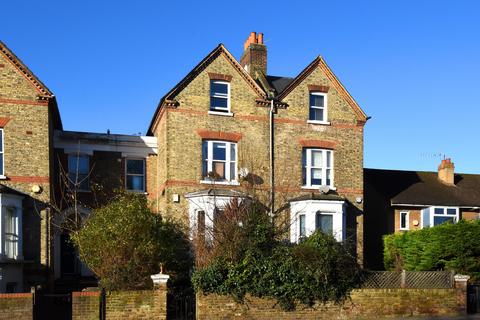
(209, 134)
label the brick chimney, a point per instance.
(254, 57)
(446, 171)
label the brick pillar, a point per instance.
(160, 286)
(461, 283)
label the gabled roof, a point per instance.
(219, 50)
(319, 62)
(43, 92)
(424, 188)
(27, 73)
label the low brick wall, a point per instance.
(144, 304)
(85, 305)
(364, 304)
(18, 306)
(119, 305)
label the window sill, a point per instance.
(219, 113)
(137, 191)
(226, 183)
(325, 123)
(316, 188)
(2, 177)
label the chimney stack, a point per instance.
(254, 57)
(446, 171)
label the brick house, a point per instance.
(397, 201)
(28, 118)
(217, 120)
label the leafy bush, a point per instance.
(319, 269)
(123, 243)
(443, 247)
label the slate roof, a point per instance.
(319, 196)
(424, 188)
(217, 193)
(8, 190)
(279, 83)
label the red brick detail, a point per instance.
(29, 132)
(2, 65)
(29, 179)
(317, 143)
(318, 88)
(3, 122)
(15, 101)
(15, 295)
(86, 294)
(219, 76)
(219, 135)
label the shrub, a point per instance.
(443, 247)
(319, 269)
(124, 242)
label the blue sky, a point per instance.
(413, 66)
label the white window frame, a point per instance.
(433, 214)
(14, 247)
(300, 217)
(324, 108)
(144, 175)
(217, 110)
(2, 154)
(308, 166)
(407, 221)
(228, 161)
(78, 156)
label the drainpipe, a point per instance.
(272, 162)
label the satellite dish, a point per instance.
(243, 172)
(324, 189)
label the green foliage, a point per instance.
(443, 247)
(123, 243)
(318, 270)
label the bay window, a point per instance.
(434, 216)
(324, 222)
(317, 167)
(219, 160)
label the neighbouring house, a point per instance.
(215, 123)
(397, 201)
(208, 143)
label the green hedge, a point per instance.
(318, 270)
(443, 247)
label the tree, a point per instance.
(123, 243)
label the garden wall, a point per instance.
(364, 303)
(18, 306)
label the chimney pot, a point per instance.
(254, 57)
(260, 38)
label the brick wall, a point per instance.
(85, 305)
(141, 304)
(18, 306)
(365, 304)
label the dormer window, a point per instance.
(219, 96)
(318, 107)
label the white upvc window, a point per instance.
(434, 216)
(318, 107)
(219, 96)
(324, 222)
(78, 171)
(219, 160)
(317, 167)
(404, 220)
(2, 160)
(302, 232)
(11, 233)
(135, 175)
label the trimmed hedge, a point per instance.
(444, 247)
